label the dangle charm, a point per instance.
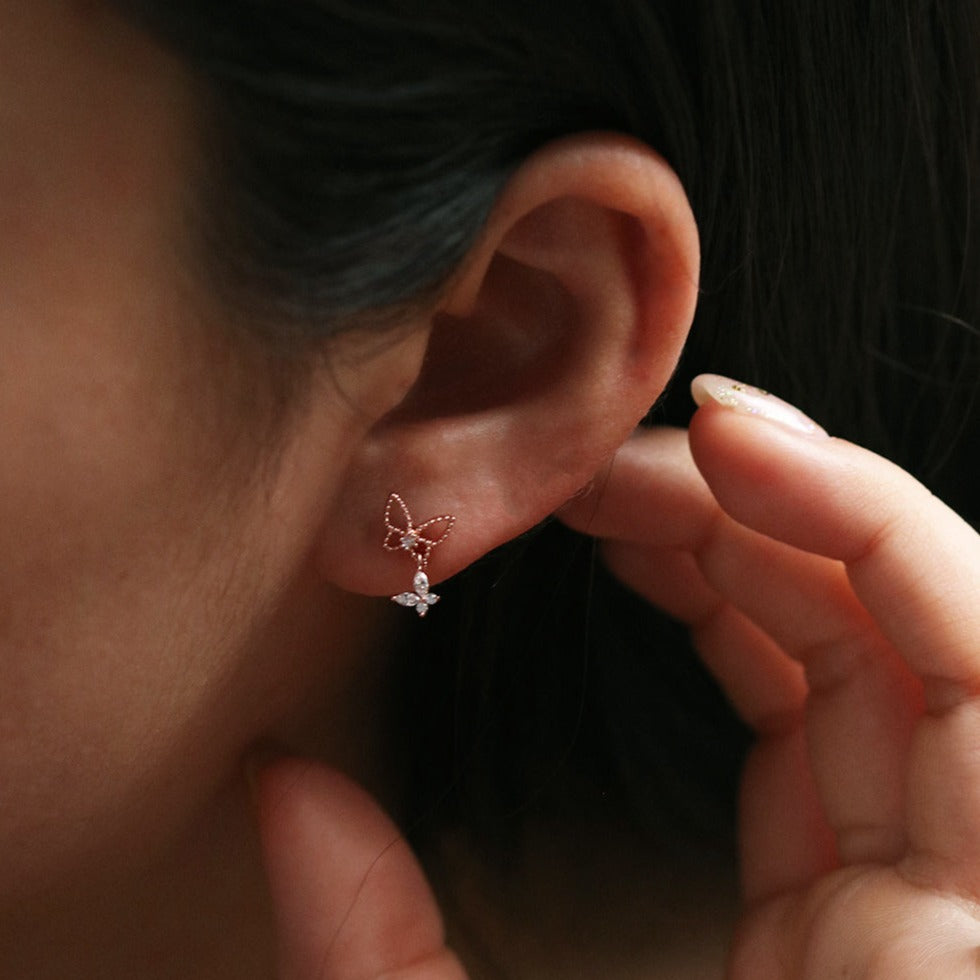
(403, 534)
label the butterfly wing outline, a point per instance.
(403, 534)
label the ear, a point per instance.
(555, 337)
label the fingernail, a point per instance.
(748, 400)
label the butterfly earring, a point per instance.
(418, 540)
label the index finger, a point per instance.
(913, 563)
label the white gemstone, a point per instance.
(409, 541)
(421, 598)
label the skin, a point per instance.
(191, 546)
(145, 525)
(834, 600)
(188, 564)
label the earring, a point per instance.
(403, 534)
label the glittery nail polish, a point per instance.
(746, 399)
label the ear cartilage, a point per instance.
(417, 540)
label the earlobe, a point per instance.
(558, 332)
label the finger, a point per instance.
(912, 562)
(860, 922)
(915, 566)
(654, 496)
(351, 901)
(785, 841)
(655, 506)
(863, 700)
(651, 493)
(784, 838)
(767, 689)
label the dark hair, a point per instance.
(829, 149)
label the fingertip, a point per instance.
(728, 446)
(291, 789)
(351, 899)
(770, 478)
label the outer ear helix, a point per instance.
(418, 540)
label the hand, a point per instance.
(838, 604)
(351, 900)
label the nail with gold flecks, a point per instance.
(746, 399)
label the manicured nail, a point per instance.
(749, 400)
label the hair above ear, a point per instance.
(558, 332)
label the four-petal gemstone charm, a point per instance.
(421, 598)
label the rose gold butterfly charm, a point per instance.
(417, 540)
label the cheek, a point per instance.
(124, 583)
(126, 563)
(145, 550)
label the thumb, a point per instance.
(351, 900)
